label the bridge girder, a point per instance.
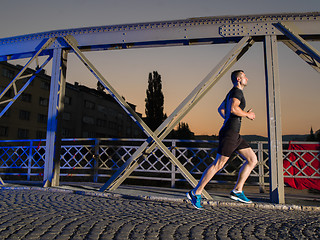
(206, 30)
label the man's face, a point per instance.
(243, 80)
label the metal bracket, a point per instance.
(60, 43)
(248, 29)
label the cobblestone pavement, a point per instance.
(37, 214)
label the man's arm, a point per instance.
(222, 110)
(236, 110)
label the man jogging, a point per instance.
(232, 110)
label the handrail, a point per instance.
(104, 155)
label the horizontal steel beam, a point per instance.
(206, 30)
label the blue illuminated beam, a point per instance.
(19, 76)
(17, 94)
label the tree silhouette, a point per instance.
(154, 101)
(183, 132)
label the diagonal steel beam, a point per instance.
(45, 45)
(299, 45)
(19, 76)
(72, 42)
(195, 96)
(18, 93)
(302, 54)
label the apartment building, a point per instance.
(87, 112)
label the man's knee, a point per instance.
(250, 156)
(253, 160)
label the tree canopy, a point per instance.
(154, 101)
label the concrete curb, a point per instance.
(168, 199)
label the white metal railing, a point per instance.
(100, 158)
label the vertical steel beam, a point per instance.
(56, 105)
(274, 119)
(173, 167)
(261, 168)
(96, 159)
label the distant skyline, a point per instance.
(181, 68)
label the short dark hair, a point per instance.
(235, 74)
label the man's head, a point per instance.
(238, 77)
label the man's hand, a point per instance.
(251, 115)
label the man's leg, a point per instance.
(195, 195)
(246, 168)
(208, 174)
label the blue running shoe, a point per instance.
(195, 200)
(239, 197)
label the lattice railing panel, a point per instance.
(155, 162)
(112, 156)
(195, 160)
(77, 157)
(14, 157)
(301, 166)
(38, 157)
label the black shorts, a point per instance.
(230, 141)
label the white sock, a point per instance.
(236, 191)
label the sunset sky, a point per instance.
(181, 68)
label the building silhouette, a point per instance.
(87, 112)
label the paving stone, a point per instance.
(37, 214)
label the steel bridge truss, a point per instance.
(294, 30)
